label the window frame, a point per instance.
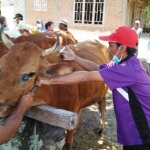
(91, 25)
(40, 5)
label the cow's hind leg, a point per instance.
(102, 106)
(69, 140)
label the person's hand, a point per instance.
(42, 80)
(68, 54)
(26, 101)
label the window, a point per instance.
(89, 12)
(40, 5)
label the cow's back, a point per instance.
(46, 40)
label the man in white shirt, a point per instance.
(20, 27)
(138, 30)
(19, 23)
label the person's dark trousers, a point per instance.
(137, 147)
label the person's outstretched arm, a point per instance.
(69, 55)
(13, 122)
(72, 78)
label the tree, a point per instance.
(147, 12)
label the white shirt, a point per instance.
(138, 31)
(15, 33)
(20, 25)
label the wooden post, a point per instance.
(53, 116)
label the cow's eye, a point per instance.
(25, 77)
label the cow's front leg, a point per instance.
(69, 140)
(79, 118)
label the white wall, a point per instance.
(10, 7)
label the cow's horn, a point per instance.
(52, 49)
(4, 39)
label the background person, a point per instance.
(19, 22)
(13, 122)
(138, 30)
(40, 25)
(49, 26)
(4, 23)
(63, 24)
(128, 81)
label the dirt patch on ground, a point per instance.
(86, 138)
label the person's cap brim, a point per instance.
(61, 22)
(106, 38)
(14, 17)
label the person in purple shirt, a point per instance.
(128, 81)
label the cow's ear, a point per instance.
(56, 70)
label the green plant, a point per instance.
(147, 13)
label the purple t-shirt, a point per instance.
(131, 96)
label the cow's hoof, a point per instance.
(74, 146)
(66, 148)
(99, 132)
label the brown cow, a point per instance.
(47, 39)
(43, 40)
(20, 67)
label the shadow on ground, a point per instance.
(85, 137)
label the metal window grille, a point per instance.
(89, 12)
(40, 5)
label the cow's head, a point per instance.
(18, 71)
